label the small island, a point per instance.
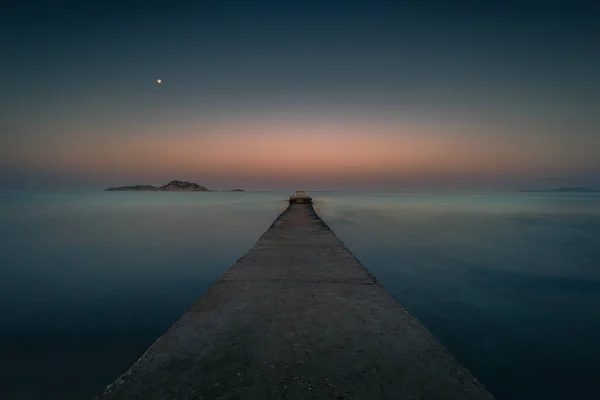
(563, 190)
(173, 186)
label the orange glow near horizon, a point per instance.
(306, 151)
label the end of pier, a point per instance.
(300, 197)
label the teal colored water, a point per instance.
(509, 283)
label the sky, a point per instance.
(319, 95)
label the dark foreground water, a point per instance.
(509, 283)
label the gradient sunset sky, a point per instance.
(302, 94)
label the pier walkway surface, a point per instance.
(297, 317)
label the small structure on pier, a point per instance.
(300, 197)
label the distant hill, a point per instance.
(563, 190)
(183, 186)
(179, 185)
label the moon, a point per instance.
(159, 81)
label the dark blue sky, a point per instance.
(81, 75)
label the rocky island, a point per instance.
(563, 190)
(182, 186)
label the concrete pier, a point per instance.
(300, 197)
(297, 317)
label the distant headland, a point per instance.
(563, 190)
(173, 186)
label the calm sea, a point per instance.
(509, 283)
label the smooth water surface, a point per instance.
(509, 283)
(88, 281)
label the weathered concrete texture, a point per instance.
(300, 199)
(297, 317)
